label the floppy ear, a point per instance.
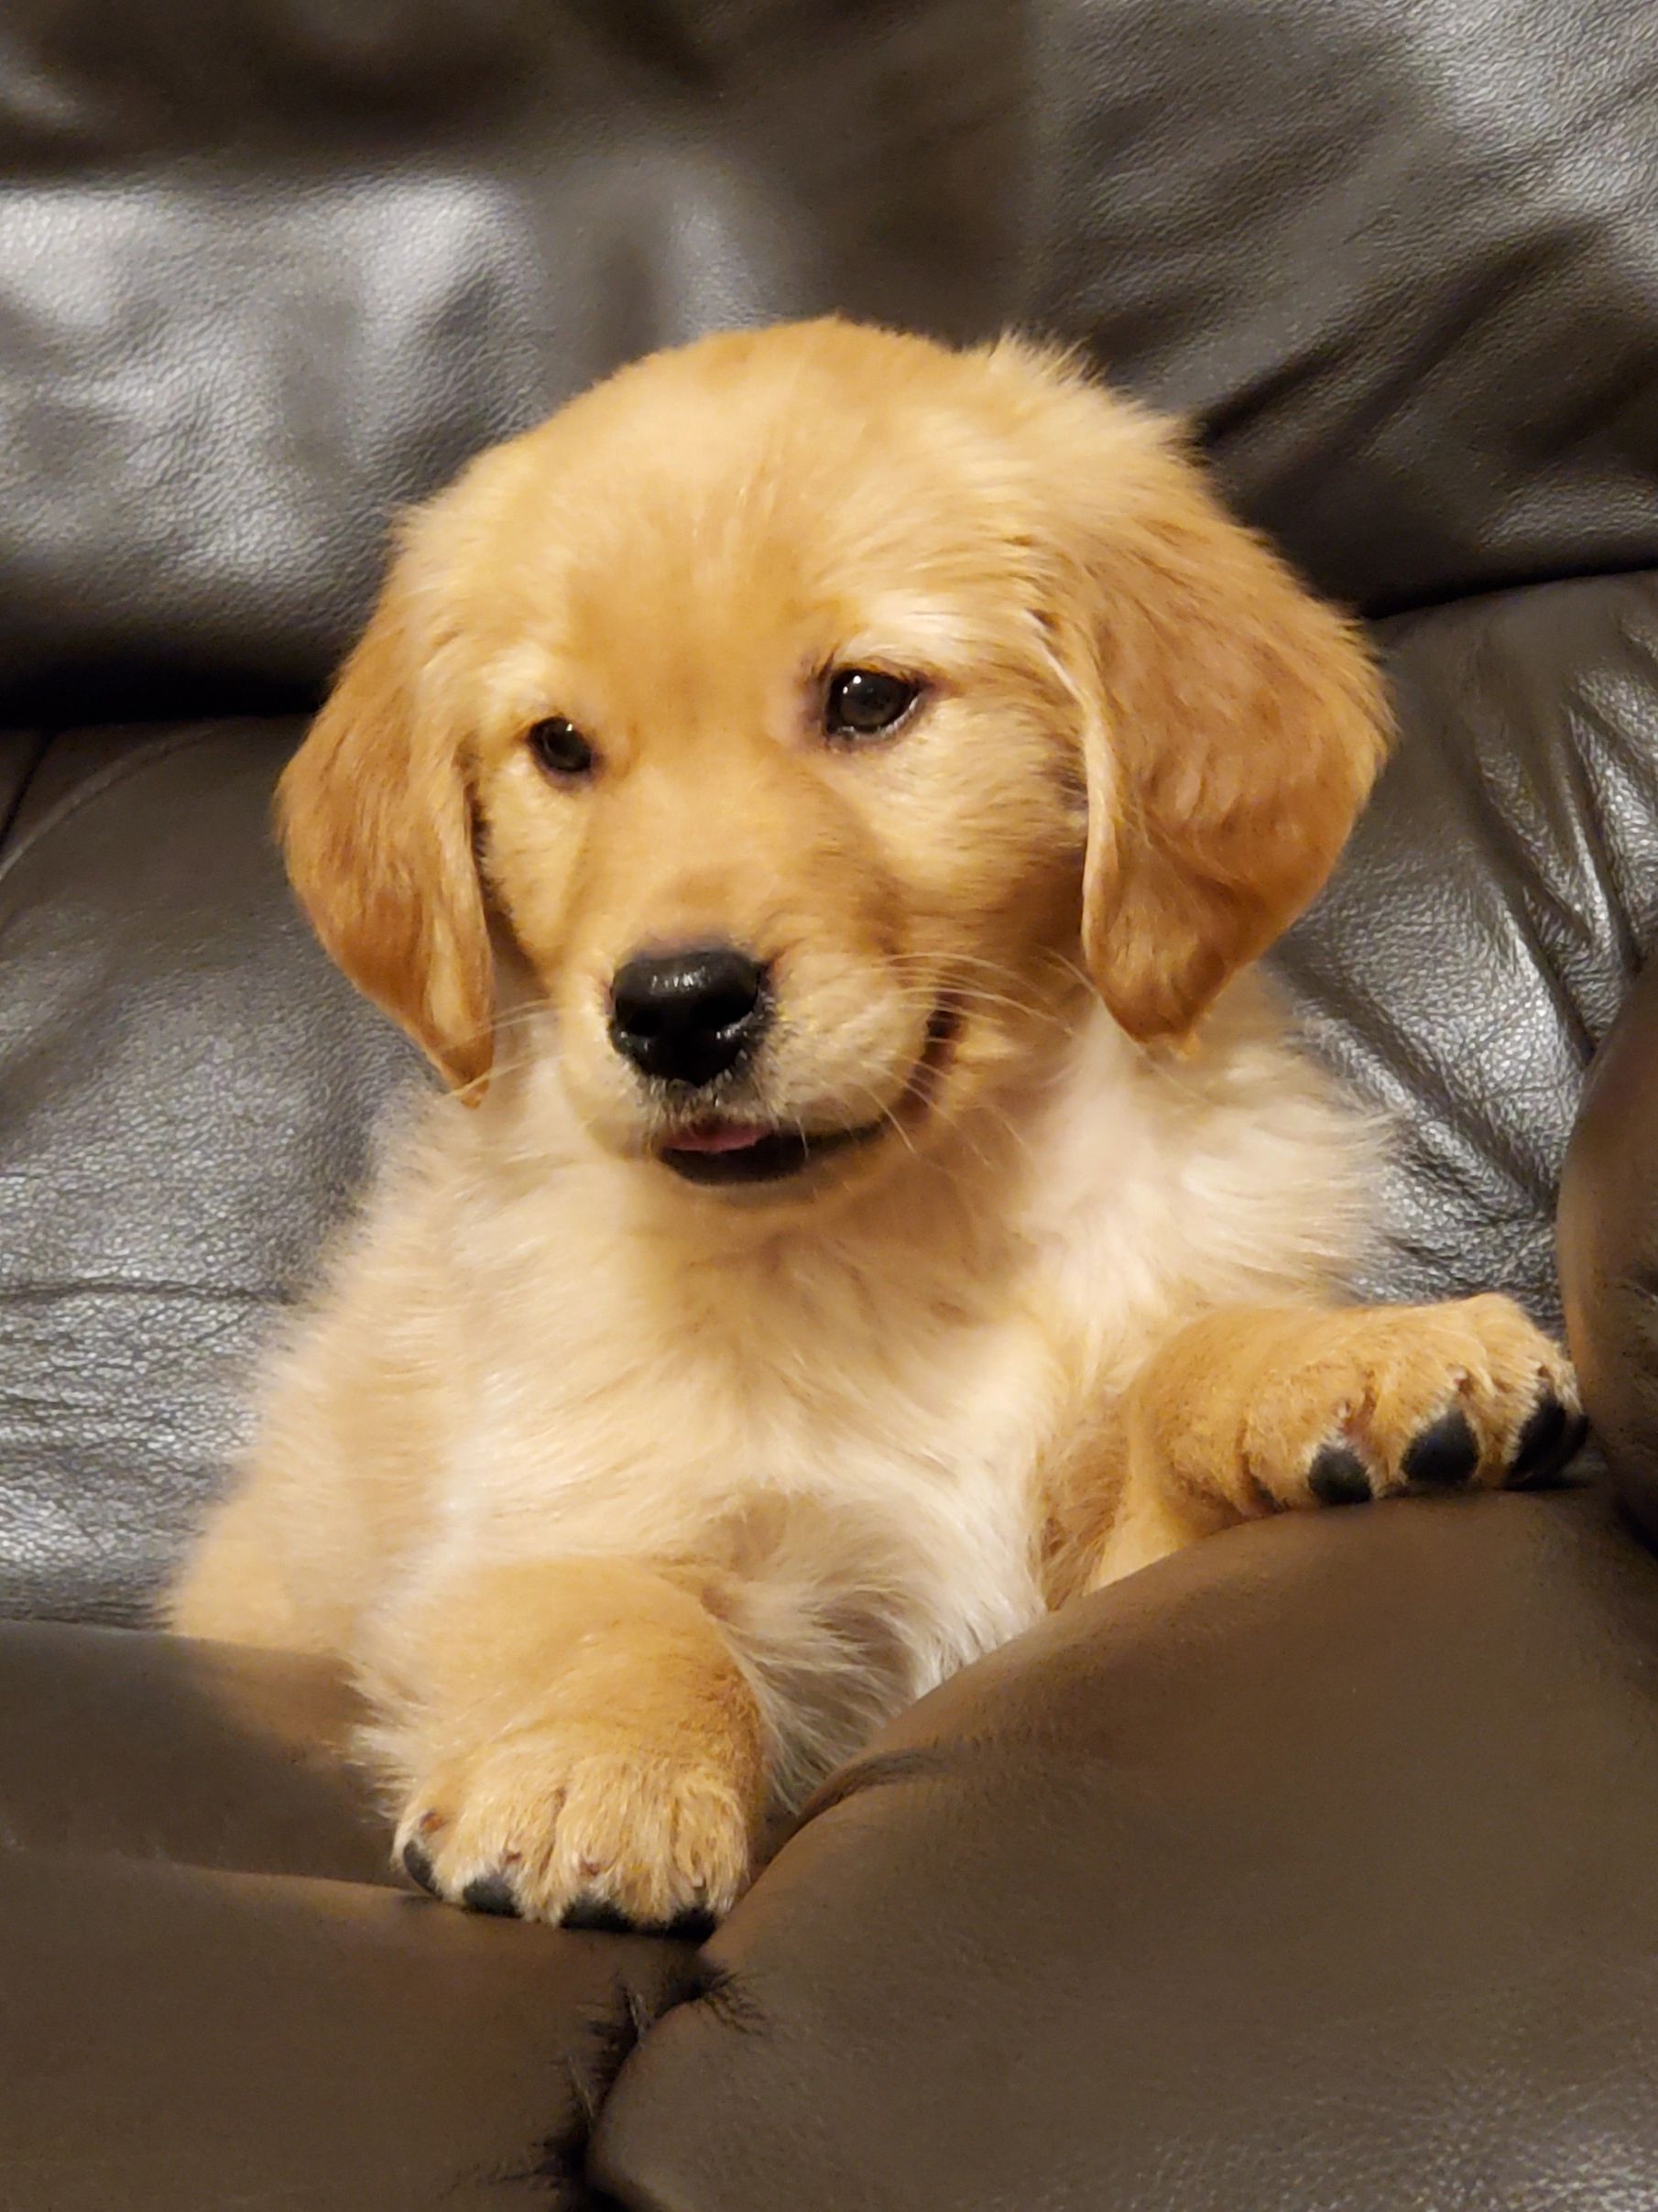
(1233, 725)
(376, 823)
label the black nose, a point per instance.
(687, 1017)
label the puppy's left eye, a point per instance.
(562, 750)
(867, 702)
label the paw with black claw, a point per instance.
(573, 1826)
(1251, 1411)
(1416, 1399)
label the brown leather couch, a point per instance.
(1310, 1870)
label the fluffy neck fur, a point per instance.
(1125, 1178)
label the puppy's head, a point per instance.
(794, 717)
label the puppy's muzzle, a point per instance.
(690, 1015)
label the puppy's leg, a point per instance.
(233, 1587)
(574, 1742)
(1252, 1410)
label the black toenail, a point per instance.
(598, 1914)
(694, 1925)
(418, 1867)
(1444, 1454)
(1537, 1454)
(1549, 1439)
(490, 1893)
(1337, 1476)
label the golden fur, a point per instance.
(635, 1505)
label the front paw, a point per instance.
(584, 1826)
(1413, 1399)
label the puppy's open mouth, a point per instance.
(721, 1150)
(745, 1151)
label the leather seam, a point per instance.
(106, 780)
(19, 799)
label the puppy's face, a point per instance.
(794, 718)
(765, 759)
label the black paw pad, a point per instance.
(1548, 1441)
(1443, 1455)
(596, 1913)
(490, 1893)
(694, 1925)
(1337, 1476)
(418, 1867)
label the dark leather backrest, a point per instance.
(1399, 259)
(1479, 936)
(270, 268)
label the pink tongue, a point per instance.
(719, 1136)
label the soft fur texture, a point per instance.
(637, 1505)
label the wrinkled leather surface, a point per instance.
(1398, 261)
(185, 1086)
(214, 1997)
(1309, 1868)
(20, 752)
(269, 270)
(1609, 1251)
(1479, 937)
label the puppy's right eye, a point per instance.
(865, 703)
(562, 750)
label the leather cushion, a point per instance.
(186, 1087)
(1309, 1867)
(207, 1755)
(214, 1995)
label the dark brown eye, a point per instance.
(562, 750)
(867, 702)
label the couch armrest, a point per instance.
(1309, 1867)
(1609, 1250)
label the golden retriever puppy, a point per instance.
(817, 800)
